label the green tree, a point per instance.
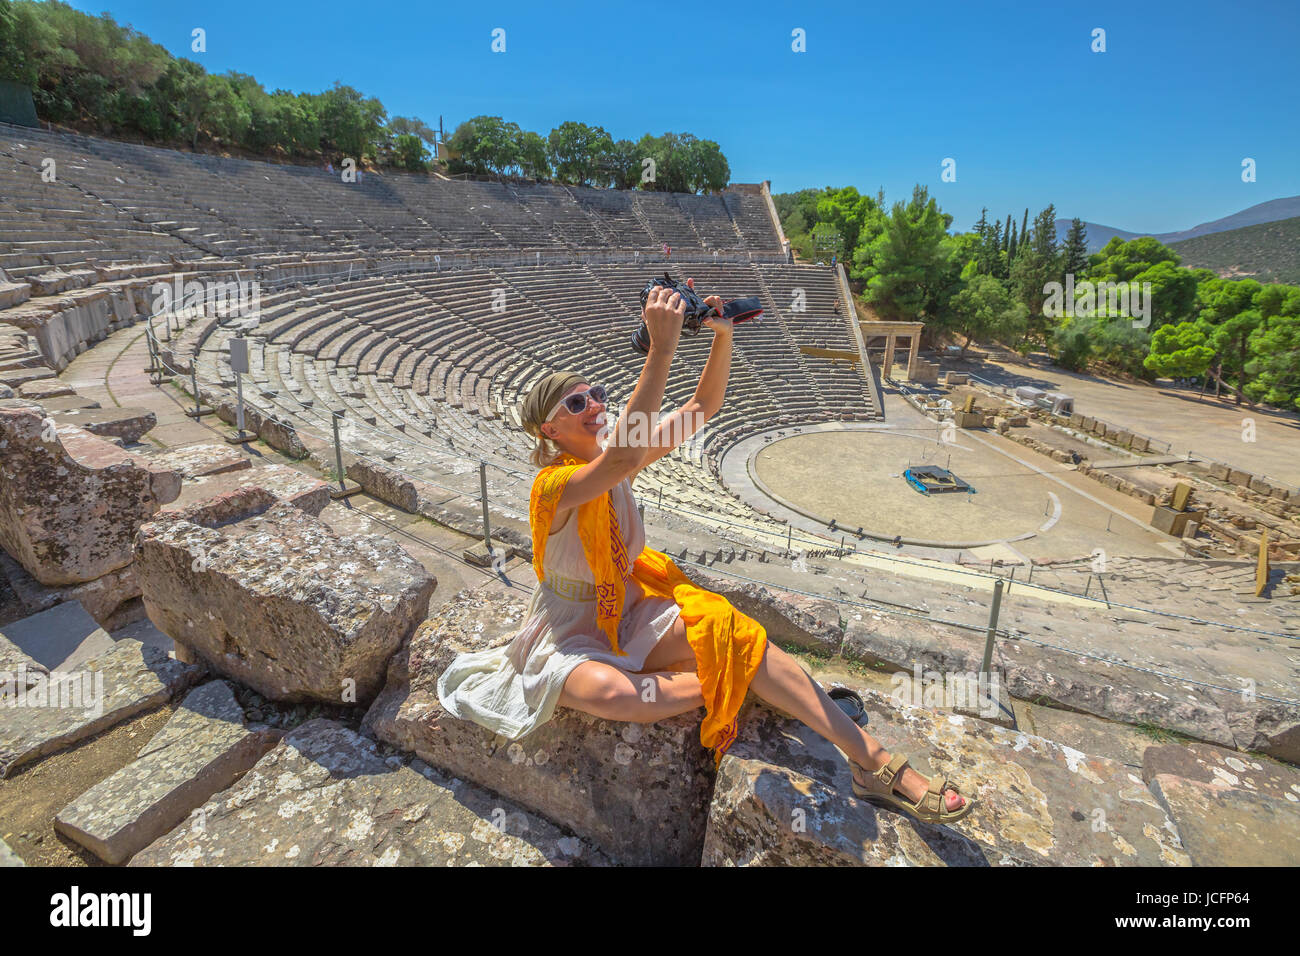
(1180, 350)
(533, 155)
(1275, 361)
(579, 153)
(984, 310)
(906, 263)
(1075, 252)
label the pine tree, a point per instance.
(1012, 246)
(1075, 251)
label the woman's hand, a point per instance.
(664, 313)
(717, 323)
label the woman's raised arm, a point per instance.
(623, 456)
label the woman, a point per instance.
(614, 628)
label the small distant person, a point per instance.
(665, 248)
(360, 176)
(329, 168)
(832, 260)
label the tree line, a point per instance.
(92, 73)
(583, 155)
(1015, 283)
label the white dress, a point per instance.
(514, 688)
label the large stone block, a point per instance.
(271, 596)
(637, 791)
(784, 797)
(325, 797)
(70, 503)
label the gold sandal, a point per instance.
(879, 790)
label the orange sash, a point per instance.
(728, 644)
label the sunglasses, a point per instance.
(576, 403)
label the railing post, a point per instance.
(993, 627)
(194, 380)
(482, 485)
(338, 447)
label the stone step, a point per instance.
(326, 797)
(204, 747)
(124, 422)
(124, 681)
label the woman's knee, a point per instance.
(598, 689)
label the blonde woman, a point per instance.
(614, 628)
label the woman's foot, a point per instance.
(911, 785)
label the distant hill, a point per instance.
(1269, 251)
(1272, 211)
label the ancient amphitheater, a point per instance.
(220, 588)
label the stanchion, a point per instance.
(343, 490)
(482, 491)
(199, 410)
(993, 628)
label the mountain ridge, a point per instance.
(1272, 210)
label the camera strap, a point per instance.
(742, 310)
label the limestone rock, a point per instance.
(1228, 826)
(325, 797)
(128, 424)
(304, 491)
(810, 623)
(128, 680)
(46, 388)
(784, 796)
(1217, 767)
(15, 666)
(8, 857)
(70, 505)
(62, 638)
(278, 600)
(637, 791)
(102, 598)
(202, 749)
(385, 484)
(195, 461)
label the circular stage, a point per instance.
(1022, 504)
(856, 477)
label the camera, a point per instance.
(737, 310)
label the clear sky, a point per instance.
(1148, 136)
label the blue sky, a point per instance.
(1147, 136)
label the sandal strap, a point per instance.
(889, 773)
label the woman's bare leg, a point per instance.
(783, 683)
(601, 689)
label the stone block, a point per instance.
(272, 597)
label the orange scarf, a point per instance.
(728, 644)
